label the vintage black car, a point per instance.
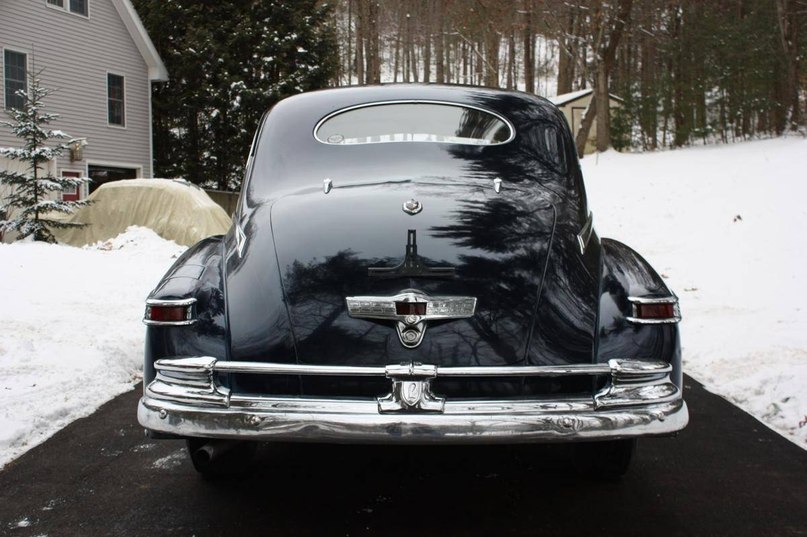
(412, 264)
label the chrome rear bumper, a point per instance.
(185, 399)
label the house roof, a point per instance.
(157, 70)
(566, 98)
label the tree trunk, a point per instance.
(439, 43)
(193, 147)
(566, 59)
(679, 82)
(648, 114)
(602, 98)
(451, 51)
(397, 54)
(407, 45)
(582, 73)
(465, 63)
(479, 68)
(413, 61)
(373, 52)
(360, 39)
(529, 61)
(492, 58)
(511, 61)
(350, 35)
(787, 16)
(604, 65)
(427, 45)
(581, 137)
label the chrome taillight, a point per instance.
(654, 310)
(180, 312)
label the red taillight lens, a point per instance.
(168, 313)
(655, 311)
(410, 308)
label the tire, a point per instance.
(220, 458)
(608, 460)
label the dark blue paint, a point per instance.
(540, 301)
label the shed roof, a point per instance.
(157, 70)
(566, 98)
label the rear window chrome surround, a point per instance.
(341, 111)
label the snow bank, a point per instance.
(726, 227)
(71, 335)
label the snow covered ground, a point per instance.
(71, 335)
(725, 225)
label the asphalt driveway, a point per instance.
(726, 474)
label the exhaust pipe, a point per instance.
(207, 454)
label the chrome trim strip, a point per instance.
(308, 404)
(525, 371)
(418, 101)
(672, 299)
(170, 302)
(297, 369)
(169, 323)
(240, 240)
(585, 233)
(181, 302)
(620, 368)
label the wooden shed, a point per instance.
(574, 104)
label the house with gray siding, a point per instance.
(100, 62)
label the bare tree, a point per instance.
(606, 25)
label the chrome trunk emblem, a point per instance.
(412, 206)
(410, 311)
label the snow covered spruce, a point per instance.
(30, 200)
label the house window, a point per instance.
(14, 74)
(79, 7)
(104, 174)
(114, 85)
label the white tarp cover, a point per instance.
(175, 209)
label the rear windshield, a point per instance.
(414, 122)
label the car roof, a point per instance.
(498, 100)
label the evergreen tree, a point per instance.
(30, 206)
(229, 62)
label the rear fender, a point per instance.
(627, 274)
(196, 274)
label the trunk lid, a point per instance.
(496, 244)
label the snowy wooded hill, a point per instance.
(725, 225)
